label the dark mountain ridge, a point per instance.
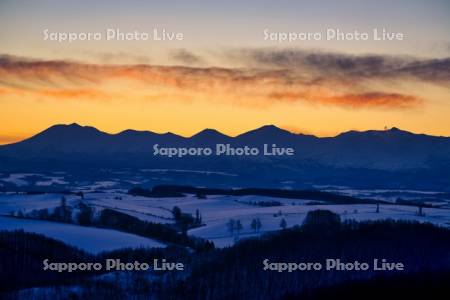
(387, 149)
(353, 156)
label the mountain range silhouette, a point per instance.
(383, 152)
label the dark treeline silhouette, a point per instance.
(321, 220)
(426, 285)
(180, 191)
(62, 213)
(237, 272)
(137, 191)
(117, 220)
(22, 255)
(185, 221)
(269, 203)
(108, 218)
(418, 203)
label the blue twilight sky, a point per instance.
(215, 25)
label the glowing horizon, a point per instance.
(229, 78)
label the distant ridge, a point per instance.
(391, 156)
(375, 158)
(265, 130)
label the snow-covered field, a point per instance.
(51, 180)
(434, 198)
(26, 203)
(216, 211)
(90, 239)
(19, 179)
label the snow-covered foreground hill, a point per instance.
(215, 211)
(93, 240)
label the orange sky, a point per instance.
(224, 75)
(36, 94)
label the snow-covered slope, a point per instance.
(90, 239)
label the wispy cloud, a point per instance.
(186, 57)
(367, 100)
(270, 77)
(345, 65)
(116, 57)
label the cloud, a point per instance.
(186, 57)
(375, 99)
(117, 57)
(346, 66)
(330, 80)
(367, 100)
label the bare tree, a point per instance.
(420, 212)
(231, 225)
(238, 227)
(283, 224)
(256, 225)
(253, 225)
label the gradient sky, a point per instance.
(224, 75)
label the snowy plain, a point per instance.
(215, 211)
